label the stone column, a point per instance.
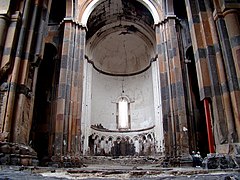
(21, 153)
(222, 81)
(173, 100)
(198, 49)
(232, 22)
(161, 49)
(15, 71)
(4, 19)
(24, 101)
(207, 55)
(219, 122)
(67, 125)
(78, 83)
(178, 97)
(230, 68)
(60, 141)
(76, 92)
(5, 65)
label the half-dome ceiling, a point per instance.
(120, 37)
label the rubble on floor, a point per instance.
(106, 171)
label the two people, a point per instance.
(197, 159)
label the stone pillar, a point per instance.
(178, 97)
(67, 125)
(7, 59)
(20, 153)
(24, 101)
(81, 57)
(232, 22)
(4, 21)
(224, 89)
(173, 100)
(198, 49)
(161, 49)
(3, 30)
(60, 141)
(206, 52)
(159, 134)
(76, 92)
(4, 18)
(219, 123)
(230, 68)
(13, 81)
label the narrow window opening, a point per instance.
(123, 117)
(123, 113)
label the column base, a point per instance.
(17, 154)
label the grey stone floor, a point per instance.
(104, 171)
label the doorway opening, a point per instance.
(42, 114)
(196, 113)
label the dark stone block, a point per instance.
(205, 92)
(201, 53)
(235, 41)
(165, 122)
(211, 50)
(15, 160)
(64, 61)
(233, 83)
(196, 19)
(164, 93)
(222, 28)
(5, 160)
(202, 6)
(7, 51)
(62, 93)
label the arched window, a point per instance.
(123, 113)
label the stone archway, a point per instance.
(120, 61)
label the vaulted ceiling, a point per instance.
(120, 37)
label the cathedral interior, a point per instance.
(118, 78)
